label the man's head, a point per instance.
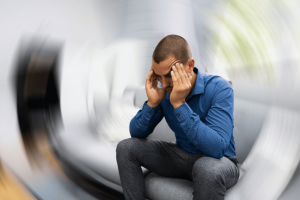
(170, 50)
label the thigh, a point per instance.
(163, 158)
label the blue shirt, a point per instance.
(203, 124)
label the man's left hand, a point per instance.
(181, 85)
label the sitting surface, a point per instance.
(162, 188)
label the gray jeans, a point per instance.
(211, 177)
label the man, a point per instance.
(199, 109)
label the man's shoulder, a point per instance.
(214, 81)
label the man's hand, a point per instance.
(181, 85)
(154, 92)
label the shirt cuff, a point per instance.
(183, 112)
(148, 112)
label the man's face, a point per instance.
(162, 72)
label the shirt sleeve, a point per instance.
(144, 122)
(212, 137)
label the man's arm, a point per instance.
(151, 114)
(145, 121)
(212, 137)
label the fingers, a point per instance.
(187, 77)
(154, 82)
(149, 77)
(183, 75)
(149, 80)
(181, 78)
(177, 75)
(174, 79)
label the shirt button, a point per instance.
(177, 115)
(150, 112)
(186, 131)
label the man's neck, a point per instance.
(193, 82)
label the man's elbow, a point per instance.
(220, 155)
(138, 136)
(219, 151)
(133, 132)
(136, 133)
(222, 150)
(217, 155)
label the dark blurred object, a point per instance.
(35, 82)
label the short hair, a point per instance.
(174, 45)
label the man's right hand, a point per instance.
(154, 92)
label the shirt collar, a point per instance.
(199, 86)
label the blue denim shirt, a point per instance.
(203, 124)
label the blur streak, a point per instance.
(258, 41)
(10, 188)
(37, 96)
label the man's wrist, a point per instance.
(151, 105)
(176, 105)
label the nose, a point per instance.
(164, 83)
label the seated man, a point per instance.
(199, 110)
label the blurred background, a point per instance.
(72, 76)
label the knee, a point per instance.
(207, 170)
(125, 146)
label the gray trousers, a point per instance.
(211, 177)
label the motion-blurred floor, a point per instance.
(18, 181)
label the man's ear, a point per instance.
(191, 63)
